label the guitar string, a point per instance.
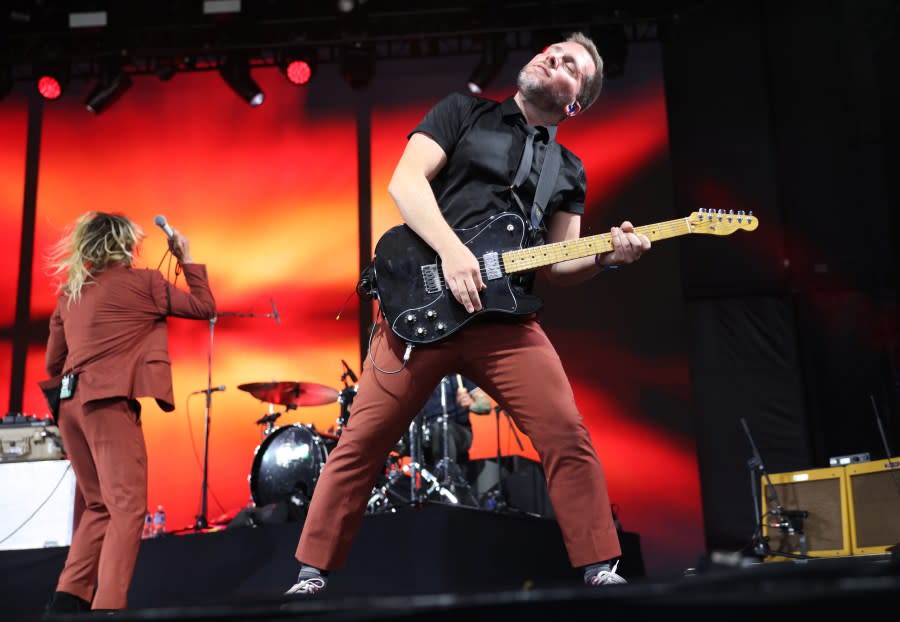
(579, 245)
(582, 247)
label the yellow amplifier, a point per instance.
(22, 442)
(873, 489)
(822, 495)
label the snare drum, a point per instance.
(287, 464)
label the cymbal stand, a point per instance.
(202, 520)
(494, 498)
(385, 498)
(447, 469)
(419, 492)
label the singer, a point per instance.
(108, 346)
(471, 158)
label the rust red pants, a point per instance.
(514, 363)
(105, 444)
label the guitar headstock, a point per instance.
(722, 222)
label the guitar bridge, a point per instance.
(432, 277)
(492, 269)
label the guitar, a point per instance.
(420, 308)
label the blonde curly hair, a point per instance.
(97, 241)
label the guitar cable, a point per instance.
(406, 354)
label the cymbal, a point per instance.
(293, 393)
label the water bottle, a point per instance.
(159, 521)
(148, 526)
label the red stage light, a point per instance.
(49, 87)
(298, 72)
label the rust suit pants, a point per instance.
(513, 362)
(105, 444)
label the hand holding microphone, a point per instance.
(178, 244)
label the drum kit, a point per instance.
(289, 460)
(287, 463)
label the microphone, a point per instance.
(276, 316)
(349, 371)
(221, 387)
(160, 221)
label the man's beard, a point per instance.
(538, 95)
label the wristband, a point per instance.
(604, 268)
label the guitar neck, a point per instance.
(526, 259)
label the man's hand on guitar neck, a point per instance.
(628, 246)
(463, 276)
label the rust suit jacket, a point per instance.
(116, 336)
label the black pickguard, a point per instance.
(417, 305)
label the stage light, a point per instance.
(358, 65)
(493, 55)
(236, 74)
(298, 71)
(52, 81)
(298, 64)
(110, 87)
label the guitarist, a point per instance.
(468, 159)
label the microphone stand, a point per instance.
(495, 497)
(789, 521)
(202, 519)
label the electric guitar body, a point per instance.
(420, 309)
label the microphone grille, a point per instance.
(160, 220)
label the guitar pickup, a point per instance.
(432, 278)
(492, 269)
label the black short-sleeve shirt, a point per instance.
(483, 141)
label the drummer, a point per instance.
(458, 396)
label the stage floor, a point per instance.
(439, 562)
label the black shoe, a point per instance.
(64, 603)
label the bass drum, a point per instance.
(286, 466)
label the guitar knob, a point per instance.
(421, 332)
(431, 314)
(441, 327)
(410, 319)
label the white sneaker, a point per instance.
(309, 585)
(606, 577)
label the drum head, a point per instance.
(287, 465)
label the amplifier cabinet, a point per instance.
(823, 494)
(38, 504)
(873, 490)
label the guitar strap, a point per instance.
(545, 185)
